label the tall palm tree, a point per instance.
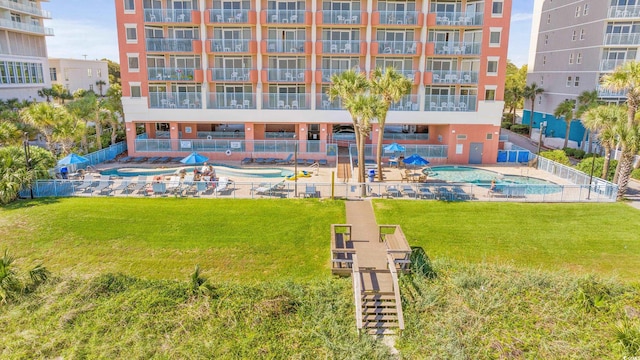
(347, 86)
(602, 121)
(625, 78)
(367, 108)
(565, 110)
(587, 100)
(629, 136)
(100, 84)
(391, 86)
(531, 91)
(44, 117)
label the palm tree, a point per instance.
(602, 121)
(100, 84)
(44, 117)
(565, 110)
(367, 109)
(9, 282)
(46, 93)
(625, 78)
(531, 91)
(391, 86)
(9, 133)
(587, 100)
(13, 178)
(67, 131)
(629, 136)
(347, 86)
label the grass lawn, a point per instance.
(598, 238)
(165, 238)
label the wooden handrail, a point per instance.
(357, 292)
(396, 290)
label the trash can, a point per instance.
(64, 172)
(371, 174)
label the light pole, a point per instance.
(27, 158)
(593, 165)
(543, 126)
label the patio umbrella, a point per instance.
(394, 147)
(416, 159)
(194, 158)
(72, 159)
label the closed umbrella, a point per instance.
(72, 159)
(194, 158)
(416, 159)
(394, 147)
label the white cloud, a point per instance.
(76, 38)
(521, 17)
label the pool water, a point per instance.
(221, 170)
(482, 177)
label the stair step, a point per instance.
(378, 303)
(379, 325)
(372, 311)
(381, 332)
(380, 317)
(379, 297)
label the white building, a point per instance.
(23, 49)
(76, 74)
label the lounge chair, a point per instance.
(392, 191)
(301, 161)
(200, 188)
(124, 185)
(460, 194)
(223, 185)
(408, 190)
(269, 189)
(260, 160)
(174, 184)
(153, 159)
(270, 161)
(159, 188)
(444, 194)
(139, 159)
(125, 159)
(86, 183)
(425, 193)
(311, 192)
(285, 161)
(246, 160)
(175, 159)
(310, 161)
(138, 185)
(103, 188)
(323, 162)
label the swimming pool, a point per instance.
(482, 177)
(221, 170)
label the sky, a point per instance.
(88, 27)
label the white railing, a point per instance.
(33, 28)
(30, 9)
(627, 11)
(357, 291)
(622, 39)
(396, 291)
(610, 65)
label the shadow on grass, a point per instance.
(27, 203)
(421, 264)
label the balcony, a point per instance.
(341, 47)
(232, 101)
(167, 16)
(629, 11)
(450, 103)
(232, 16)
(610, 65)
(453, 77)
(25, 27)
(342, 17)
(324, 75)
(413, 75)
(285, 75)
(170, 45)
(285, 46)
(396, 48)
(29, 9)
(285, 17)
(407, 103)
(230, 45)
(456, 48)
(323, 103)
(456, 18)
(287, 101)
(396, 18)
(231, 74)
(171, 74)
(174, 100)
(607, 93)
(622, 39)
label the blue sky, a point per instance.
(89, 28)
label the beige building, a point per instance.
(23, 49)
(76, 74)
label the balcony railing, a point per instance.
(237, 134)
(607, 93)
(287, 101)
(397, 47)
(409, 74)
(407, 103)
(341, 46)
(285, 16)
(353, 17)
(232, 101)
(454, 77)
(457, 48)
(610, 65)
(230, 74)
(403, 136)
(279, 135)
(456, 18)
(30, 8)
(26, 27)
(622, 39)
(171, 45)
(170, 74)
(399, 17)
(173, 100)
(323, 103)
(450, 103)
(230, 45)
(229, 16)
(328, 73)
(629, 11)
(285, 75)
(167, 15)
(285, 46)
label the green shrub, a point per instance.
(569, 151)
(636, 174)
(506, 124)
(578, 154)
(507, 117)
(585, 167)
(520, 129)
(556, 155)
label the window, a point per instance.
(549, 19)
(578, 11)
(492, 67)
(132, 34)
(15, 72)
(99, 73)
(135, 91)
(586, 9)
(541, 80)
(546, 39)
(16, 17)
(496, 9)
(89, 72)
(574, 36)
(579, 58)
(489, 136)
(576, 83)
(53, 74)
(544, 60)
(569, 81)
(494, 37)
(129, 6)
(539, 100)
(91, 87)
(490, 94)
(581, 34)
(571, 58)
(134, 65)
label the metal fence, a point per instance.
(577, 177)
(96, 157)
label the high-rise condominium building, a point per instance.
(241, 78)
(23, 49)
(573, 44)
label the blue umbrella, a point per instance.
(72, 159)
(194, 158)
(416, 159)
(394, 147)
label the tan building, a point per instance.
(76, 74)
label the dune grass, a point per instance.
(583, 238)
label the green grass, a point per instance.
(582, 238)
(239, 240)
